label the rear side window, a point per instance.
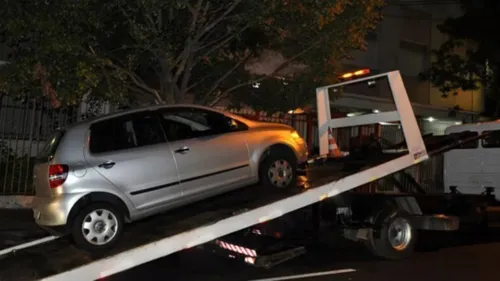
(125, 132)
(50, 147)
(491, 141)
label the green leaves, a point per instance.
(469, 59)
(166, 51)
(49, 35)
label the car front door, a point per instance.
(132, 153)
(209, 148)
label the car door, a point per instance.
(132, 153)
(210, 149)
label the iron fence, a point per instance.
(25, 125)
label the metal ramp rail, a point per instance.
(204, 222)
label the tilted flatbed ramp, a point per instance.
(205, 221)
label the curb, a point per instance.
(15, 202)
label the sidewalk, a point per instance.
(15, 202)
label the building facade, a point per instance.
(403, 41)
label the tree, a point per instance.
(164, 51)
(479, 66)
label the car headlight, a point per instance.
(295, 135)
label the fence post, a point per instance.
(257, 115)
(309, 137)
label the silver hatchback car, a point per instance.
(94, 176)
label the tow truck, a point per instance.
(386, 223)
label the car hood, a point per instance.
(269, 125)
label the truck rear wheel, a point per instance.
(395, 238)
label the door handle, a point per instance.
(182, 150)
(107, 165)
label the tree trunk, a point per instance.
(167, 85)
(179, 97)
(166, 91)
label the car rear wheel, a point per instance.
(279, 169)
(97, 227)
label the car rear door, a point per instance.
(132, 153)
(209, 155)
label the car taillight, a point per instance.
(57, 175)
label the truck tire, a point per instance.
(396, 236)
(278, 170)
(97, 227)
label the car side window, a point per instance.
(125, 132)
(186, 123)
(492, 140)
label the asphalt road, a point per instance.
(439, 257)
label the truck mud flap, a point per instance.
(437, 222)
(252, 256)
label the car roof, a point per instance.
(89, 121)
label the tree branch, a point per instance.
(134, 77)
(140, 83)
(276, 71)
(189, 88)
(187, 53)
(217, 83)
(209, 26)
(218, 43)
(191, 43)
(195, 11)
(167, 72)
(185, 78)
(157, 100)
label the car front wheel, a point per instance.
(97, 227)
(279, 170)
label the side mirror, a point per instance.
(232, 124)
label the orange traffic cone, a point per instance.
(333, 148)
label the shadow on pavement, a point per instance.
(17, 227)
(434, 240)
